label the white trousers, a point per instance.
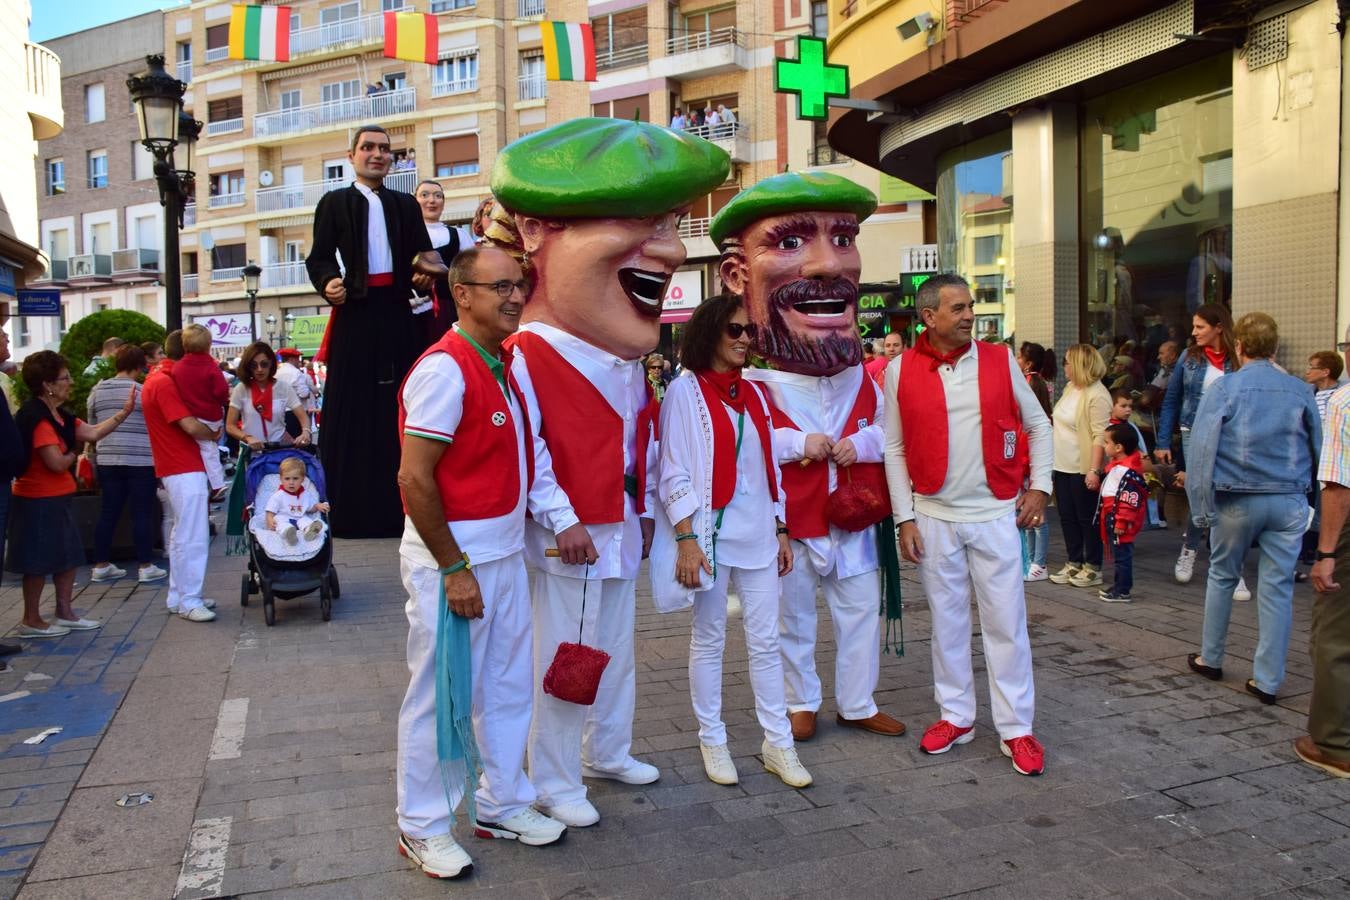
(500, 645)
(758, 589)
(189, 541)
(959, 557)
(564, 734)
(855, 609)
(210, 451)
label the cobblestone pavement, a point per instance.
(270, 755)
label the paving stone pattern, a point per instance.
(1158, 783)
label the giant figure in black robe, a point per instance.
(373, 341)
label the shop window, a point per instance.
(975, 220)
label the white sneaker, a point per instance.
(290, 535)
(109, 572)
(1065, 575)
(439, 856)
(1088, 576)
(1036, 573)
(718, 764)
(1240, 593)
(313, 530)
(1185, 566)
(197, 614)
(151, 573)
(634, 773)
(783, 762)
(573, 815)
(529, 826)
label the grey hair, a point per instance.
(930, 292)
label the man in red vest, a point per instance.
(960, 492)
(789, 249)
(468, 465)
(596, 204)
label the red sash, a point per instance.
(724, 443)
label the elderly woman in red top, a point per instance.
(43, 538)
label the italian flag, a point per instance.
(260, 32)
(412, 36)
(569, 51)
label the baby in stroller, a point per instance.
(293, 510)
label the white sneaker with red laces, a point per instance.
(1026, 753)
(943, 735)
(439, 856)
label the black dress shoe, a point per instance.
(1267, 699)
(1199, 668)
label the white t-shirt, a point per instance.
(283, 398)
(284, 505)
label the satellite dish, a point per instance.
(265, 177)
(206, 241)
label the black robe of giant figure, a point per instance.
(373, 340)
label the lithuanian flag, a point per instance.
(412, 36)
(569, 51)
(260, 32)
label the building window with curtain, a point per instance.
(456, 156)
(975, 222)
(98, 168)
(56, 176)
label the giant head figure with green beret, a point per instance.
(596, 203)
(789, 248)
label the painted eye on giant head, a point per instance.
(791, 242)
(843, 240)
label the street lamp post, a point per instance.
(165, 128)
(251, 273)
(288, 333)
(271, 321)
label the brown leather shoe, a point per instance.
(880, 723)
(1313, 755)
(803, 725)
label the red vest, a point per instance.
(808, 486)
(478, 475)
(584, 434)
(923, 413)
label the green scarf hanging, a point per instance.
(236, 537)
(889, 558)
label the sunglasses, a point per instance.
(736, 329)
(263, 363)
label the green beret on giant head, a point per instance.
(791, 192)
(606, 168)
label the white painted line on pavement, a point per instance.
(230, 722)
(14, 695)
(203, 870)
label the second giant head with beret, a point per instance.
(789, 249)
(596, 204)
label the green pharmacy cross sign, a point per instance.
(811, 78)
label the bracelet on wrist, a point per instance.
(782, 529)
(461, 563)
(686, 536)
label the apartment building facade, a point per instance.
(101, 223)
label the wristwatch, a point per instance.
(1321, 555)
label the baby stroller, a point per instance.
(275, 567)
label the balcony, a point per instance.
(190, 285)
(695, 228)
(43, 82)
(217, 201)
(527, 8)
(287, 274)
(185, 70)
(703, 53)
(370, 108)
(90, 267)
(919, 258)
(440, 6)
(189, 214)
(446, 88)
(57, 270)
(224, 126)
(532, 87)
(216, 54)
(733, 137)
(303, 196)
(366, 29)
(135, 263)
(620, 58)
(233, 273)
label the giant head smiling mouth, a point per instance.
(645, 290)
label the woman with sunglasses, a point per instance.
(721, 492)
(259, 402)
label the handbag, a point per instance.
(574, 675)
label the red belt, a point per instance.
(384, 279)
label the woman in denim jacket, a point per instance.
(1209, 355)
(1254, 447)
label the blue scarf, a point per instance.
(454, 704)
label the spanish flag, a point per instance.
(260, 32)
(569, 51)
(412, 36)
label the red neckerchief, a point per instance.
(1216, 357)
(262, 403)
(294, 493)
(924, 345)
(728, 388)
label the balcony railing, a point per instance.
(404, 180)
(695, 228)
(216, 54)
(91, 265)
(623, 56)
(185, 70)
(371, 107)
(284, 274)
(216, 201)
(533, 87)
(718, 132)
(702, 40)
(234, 273)
(439, 6)
(224, 126)
(527, 8)
(135, 261)
(919, 258)
(446, 88)
(360, 30)
(42, 75)
(189, 214)
(302, 196)
(57, 270)
(190, 285)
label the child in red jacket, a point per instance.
(205, 395)
(1121, 506)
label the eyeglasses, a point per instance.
(736, 329)
(503, 287)
(263, 363)
(655, 368)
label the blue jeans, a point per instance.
(1275, 523)
(1035, 540)
(120, 484)
(1124, 557)
(1191, 535)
